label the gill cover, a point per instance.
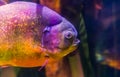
(50, 18)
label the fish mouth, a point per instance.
(76, 42)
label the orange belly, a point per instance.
(21, 53)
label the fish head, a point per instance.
(60, 39)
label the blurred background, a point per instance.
(97, 22)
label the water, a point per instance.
(98, 51)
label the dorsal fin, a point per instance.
(2, 2)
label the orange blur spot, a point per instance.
(113, 63)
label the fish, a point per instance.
(107, 48)
(32, 35)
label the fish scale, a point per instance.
(24, 29)
(14, 36)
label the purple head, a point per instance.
(60, 36)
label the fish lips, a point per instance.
(76, 42)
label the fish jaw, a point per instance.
(59, 55)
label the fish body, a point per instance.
(107, 48)
(30, 33)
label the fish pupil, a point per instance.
(69, 35)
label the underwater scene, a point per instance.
(59, 38)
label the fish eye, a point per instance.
(69, 35)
